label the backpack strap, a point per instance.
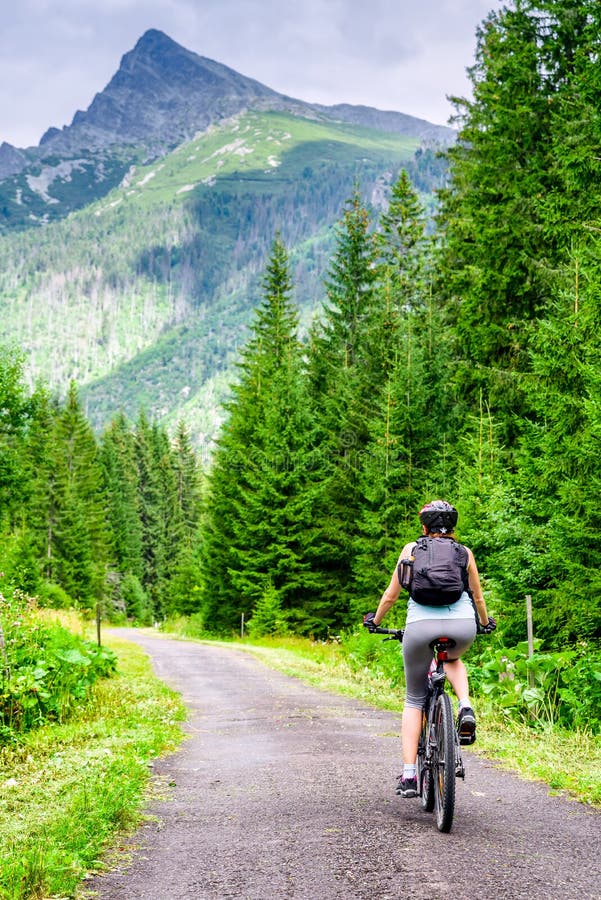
(405, 576)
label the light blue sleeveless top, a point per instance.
(462, 609)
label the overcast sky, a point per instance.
(406, 55)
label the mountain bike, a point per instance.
(439, 760)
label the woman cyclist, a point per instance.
(423, 625)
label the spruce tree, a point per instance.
(257, 517)
(403, 243)
(345, 378)
(150, 507)
(494, 254)
(183, 589)
(560, 474)
(118, 461)
(77, 557)
(15, 411)
(44, 497)
(117, 456)
(411, 418)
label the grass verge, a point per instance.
(569, 762)
(66, 790)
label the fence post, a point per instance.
(242, 625)
(98, 624)
(530, 629)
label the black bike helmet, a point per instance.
(439, 517)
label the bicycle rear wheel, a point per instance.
(443, 764)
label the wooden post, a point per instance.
(98, 624)
(530, 629)
(242, 626)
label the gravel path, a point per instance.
(284, 791)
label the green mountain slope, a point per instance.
(260, 149)
(143, 296)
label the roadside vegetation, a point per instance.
(68, 785)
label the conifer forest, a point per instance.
(456, 356)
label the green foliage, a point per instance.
(79, 784)
(137, 604)
(187, 626)
(268, 617)
(547, 689)
(47, 672)
(259, 524)
(14, 413)
(344, 379)
(383, 661)
(55, 596)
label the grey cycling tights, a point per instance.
(417, 654)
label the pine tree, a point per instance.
(44, 498)
(403, 243)
(118, 461)
(14, 414)
(412, 430)
(560, 474)
(117, 456)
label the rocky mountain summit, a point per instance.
(161, 95)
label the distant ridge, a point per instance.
(388, 120)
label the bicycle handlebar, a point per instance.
(397, 633)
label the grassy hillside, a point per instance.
(143, 297)
(260, 149)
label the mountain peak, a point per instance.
(154, 48)
(153, 37)
(161, 95)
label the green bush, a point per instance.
(55, 596)
(549, 688)
(47, 672)
(365, 651)
(185, 626)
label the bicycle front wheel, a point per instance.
(443, 764)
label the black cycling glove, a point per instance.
(368, 621)
(488, 628)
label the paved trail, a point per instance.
(284, 792)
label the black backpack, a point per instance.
(439, 575)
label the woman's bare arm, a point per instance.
(476, 588)
(391, 594)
